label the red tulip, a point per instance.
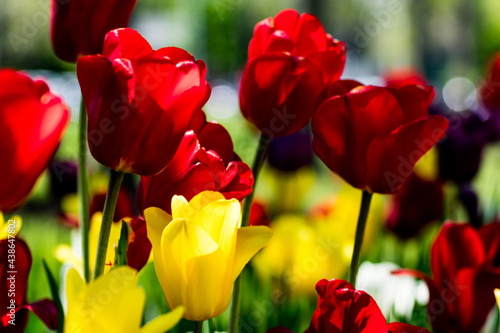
(489, 88)
(465, 271)
(79, 26)
(14, 272)
(418, 203)
(139, 102)
(32, 122)
(290, 61)
(400, 77)
(203, 162)
(343, 309)
(373, 136)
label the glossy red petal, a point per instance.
(214, 136)
(125, 43)
(343, 128)
(278, 94)
(341, 308)
(414, 100)
(139, 246)
(392, 157)
(331, 63)
(490, 235)
(342, 87)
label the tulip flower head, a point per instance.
(32, 121)
(200, 164)
(139, 102)
(79, 26)
(465, 272)
(291, 59)
(113, 303)
(199, 251)
(373, 136)
(343, 309)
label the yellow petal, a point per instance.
(220, 220)
(197, 275)
(156, 221)
(250, 240)
(75, 292)
(164, 322)
(187, 211)
(497, 295)
(13, 225)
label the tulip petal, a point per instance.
(457, 246)
(392, 157)
(164, 322)
(125, 43)
(181, 208)
(156, 221)
(5, 227)
(220, 220)
(197, 270)
(249, 241)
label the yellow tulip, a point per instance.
(11, 227)
(112, 303)
(199, 251)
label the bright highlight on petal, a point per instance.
(201, 251)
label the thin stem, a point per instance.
(115, 181)
(83, 190)
(197, 326)
(360, 231)
(258, 162)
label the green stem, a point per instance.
(115, 181)
(83, 190)
(258, 162)
(197, 326)
(360, 231)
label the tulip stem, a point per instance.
(260, 155)
(197, 326)
(258, 162)
(360, 231)
(83, 190)
(115, 181)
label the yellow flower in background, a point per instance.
(199, 251)
(73, 254)
(306, 249)
(10, 227)
(112, 303)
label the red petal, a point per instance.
(125, 43)
(414, 100)
(457, 246)
(32, 122)
(46, 310)
(278, 94)
(139, 246)
(392, 157)
(344, 127)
